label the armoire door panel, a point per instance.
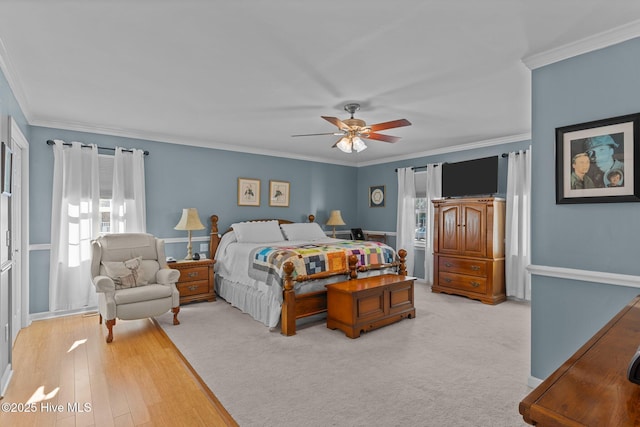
(474, 235)
(449, 239)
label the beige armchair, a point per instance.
(131, 277)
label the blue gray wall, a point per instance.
(593, 237)
(180, 176)
(384, 219)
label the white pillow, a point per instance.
(257, 232)
(303, 231)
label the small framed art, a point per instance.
(248, 192)
(597, 162)
(376, 196)
(6, 169)
(279, 193)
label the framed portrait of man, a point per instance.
(597, 161)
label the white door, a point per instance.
(19, 242)
(16, 289)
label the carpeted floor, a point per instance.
(458, 363)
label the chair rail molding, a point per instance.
(608, 278)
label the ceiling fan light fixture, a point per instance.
(344, 145)
(353, 131)
(358, 144)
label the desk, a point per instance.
(591, 388)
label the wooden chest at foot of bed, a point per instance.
(361, 305)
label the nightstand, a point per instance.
(196, 280)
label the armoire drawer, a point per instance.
(463, 282)
(463, 266)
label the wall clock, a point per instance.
(376, 196)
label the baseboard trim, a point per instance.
(533, 382)
(586, 275)
(62, 313)
(6, 379)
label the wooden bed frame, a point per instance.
(303, 305)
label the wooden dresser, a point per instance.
(591, 388)
(361, 305)
(196, 280)
(469, 248)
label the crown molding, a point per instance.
(598, 41)
(445, 150)
(13, 80)
(173, 139)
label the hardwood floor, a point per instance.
(67, 375)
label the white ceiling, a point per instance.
(245, 75)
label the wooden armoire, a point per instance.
(469, 248)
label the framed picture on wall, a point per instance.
(6, 170)
(248, 192)
(279, 193)
(597, 162)
(376, 196)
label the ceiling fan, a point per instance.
(353, 130)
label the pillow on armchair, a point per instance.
(126, 274)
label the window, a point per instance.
(421, 219)
(105, 215)
(105, 167)
(421, 208)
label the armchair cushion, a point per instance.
(126, 274)
(142, 293)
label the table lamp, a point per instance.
(335, 219)
(189, 221)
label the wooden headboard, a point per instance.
(216, 236)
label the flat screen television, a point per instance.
(478, 177)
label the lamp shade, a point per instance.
(335, 218)
(190, 220)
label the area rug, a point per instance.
(458, 363)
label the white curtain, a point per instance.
(406, 219)
(434, 191)
(518, 225)
(128, 207)
(75, 220)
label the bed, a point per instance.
(276, 270)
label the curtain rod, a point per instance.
(517, 153)
(435, 165)
(129, 150)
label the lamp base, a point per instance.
(189, 249)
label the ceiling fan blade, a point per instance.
(390, 125)
(317, 134)
(380, 137)
(337, 122)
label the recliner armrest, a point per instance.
(104, 284)
(167, 276)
